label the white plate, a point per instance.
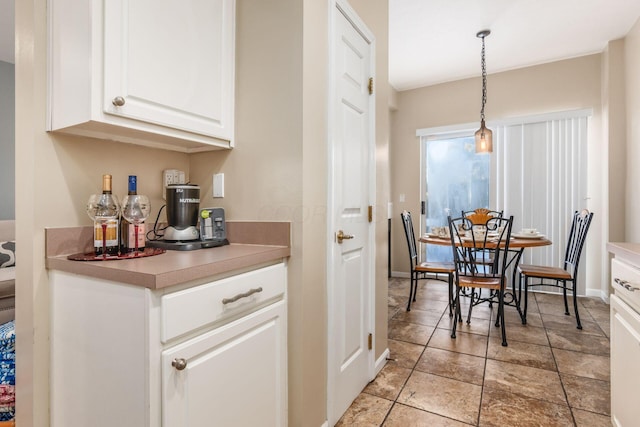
(527, 236)
(435, 235)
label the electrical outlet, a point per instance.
(171, 176)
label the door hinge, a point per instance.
(370, 341)
(370, 85)
(370, 213)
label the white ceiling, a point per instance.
(434, 41)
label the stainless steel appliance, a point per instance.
(183, 204)
(183, 213)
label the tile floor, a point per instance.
(551, 374)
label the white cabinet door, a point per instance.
(625, 370)
(170, 63)
(234, 375)
(159, 74)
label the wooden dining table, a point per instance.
(517, 245)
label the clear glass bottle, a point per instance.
(106, 213)
(127, 230)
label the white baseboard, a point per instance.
(325, 424)
(381, 361)
(599, 293)
(400, 274)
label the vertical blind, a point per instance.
(539, 175)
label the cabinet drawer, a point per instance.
(201, 305)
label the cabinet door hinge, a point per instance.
(370, 85)
(370, 342)
(370, 213)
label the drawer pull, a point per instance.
(242, 295)
(626, 285)
(179, 364)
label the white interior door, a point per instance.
(351, 260)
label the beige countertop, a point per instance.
(627, 251)
(252, 244)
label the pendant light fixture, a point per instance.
(484, 136)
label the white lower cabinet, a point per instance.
(232, 376)
(203, 354)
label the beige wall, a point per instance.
(558, 86)
(632, 90)
(276, 172)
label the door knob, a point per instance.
(340, 236)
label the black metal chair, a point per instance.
(558, 277)
(481, 263)
(424, 270)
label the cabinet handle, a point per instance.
(242, 295)
(179, 364)
(626, 285)
(118, 101)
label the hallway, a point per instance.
(551, 374)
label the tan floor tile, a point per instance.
(477, 326)
(404, 354)
(430, 305)
(513, 318)
(388, 382)
(524, 381)
(420, 317)
(409, 332)
(522, 353)
(481, 311)
(498, 406)
(365, 411)
(577, 341)
(588, 394)
(589, 419)
(453, 365)
(473, 344)
(523, 333)
(582, 365)
(568, 323)
(442, 396)
(406, 416)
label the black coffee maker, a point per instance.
(183, 205)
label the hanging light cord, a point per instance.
(484, 82)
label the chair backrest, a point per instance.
(484, 254)
(575, 243)
(411, 239)
(481, 215)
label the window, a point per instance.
(537, 173)
(456, 179)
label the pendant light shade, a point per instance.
(484, 136)
(484, 139)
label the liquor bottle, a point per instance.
(127, 230)
(106, 220)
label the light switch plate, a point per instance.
(218, 185)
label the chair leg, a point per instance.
(411, 290)
(450, 283)
(470, 306)
(526, 299)
(501, 317)
(458, 313)
(564, 293)
(575, 305)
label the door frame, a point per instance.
(345, 8)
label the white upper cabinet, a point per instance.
(153, 73)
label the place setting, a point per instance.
(528, 233)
